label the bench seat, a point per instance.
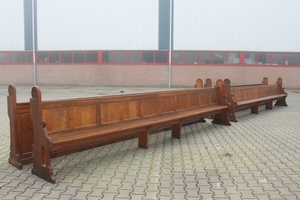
(260, 99)
(68, 140)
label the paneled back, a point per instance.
(249, 92)
(100, 111)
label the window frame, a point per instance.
(135, 57)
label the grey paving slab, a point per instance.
(256, 158)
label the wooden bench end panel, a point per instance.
(41, 151)
(21, 133)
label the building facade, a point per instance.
(149, 42)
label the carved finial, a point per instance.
(199, 83)
(265, 81)
(43, 124)
(219, 83)
(227, 81)
(279, 81)
(11, 89)
(208, 83)
(34, 93)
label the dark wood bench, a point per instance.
(21, 132)
(85, 122)
(252, 96)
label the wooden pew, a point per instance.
(86, 122)
(253, 95)
(21, 132)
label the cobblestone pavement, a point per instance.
(256, 158)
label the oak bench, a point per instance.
(21, 131)
(252, 96)
(65, 125)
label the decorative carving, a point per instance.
(34, 93)
(43, 124)
(10, 90)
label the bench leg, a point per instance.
(254, 109)
(42, 164)
(269, 105)
(281, 102)
(221, 118)
(144, 139)
(176, 130)
(202, 120)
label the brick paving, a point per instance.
(256, 158)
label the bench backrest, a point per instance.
(241, 92)
(100, 111)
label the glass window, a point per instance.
(108, 56)
(234, 58)
(92, 57)
(15, 57)
(42, 57)
(264, 58)
(121, 57)
(219, 57)
(66, 57)
(250, 58)
(192, 57)
(148, 56)
(27, 57)
(277, 59)
(161, 57)
(3, 57)
(79, 57)
(205, 57)
(54, 57)
(177, 57)
(134, 56)
(291, 59)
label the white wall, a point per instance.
(95, 24)
(247, 25)
(12, 25)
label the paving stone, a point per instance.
(264, 163)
